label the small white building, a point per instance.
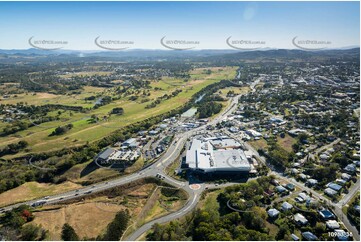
(286, 206)
(273, 212)
(300, 219)
(332, 224)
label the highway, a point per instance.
(158, 167)
(170, 155)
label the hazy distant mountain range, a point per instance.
(184, 54)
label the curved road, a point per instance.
(158, 167)
(169, 156)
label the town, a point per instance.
(183, 130)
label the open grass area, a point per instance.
(237, 90)
(259, 144)
(85, 131)
(41, 98)
(286, 142)
(90, 217)
(209, 201)
(33, 190)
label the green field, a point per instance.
(134, 111)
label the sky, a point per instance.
(206, 24)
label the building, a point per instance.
(304, 196)
(130, 143)
(290, 186)
(295, 237)
(273, 213)
(326, 214)
(254, 133)
(332, 224)
(286, 206)
(300, 219)
(330, 192)
(350, 168)
(281, 189)
(105, 154)
(341, 182)
(345, 176)
(311, 182)
(334, 186)
(216, 154)
(309, 236)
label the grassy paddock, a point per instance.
(84, 131)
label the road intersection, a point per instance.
(157, 168)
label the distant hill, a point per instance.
(292, 54)
(139, 54)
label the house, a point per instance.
(281, 189)
(303, 176)
(274, 182)
(350, 168)
(309, 236)
(294, 171)
(153, 132)
(303, 195)
(269, 193)
(143, 132)
(341, 182)
(290, 187)
(324, 157)
(295, 237)
(286, 206)
(334, 186)
(332, 224)
(345, 176)
(311, 182)
(300, 219)
(326, 214)
(253, 133)
(311, 201)
(330, 192)
(273, 213)
(163, 126)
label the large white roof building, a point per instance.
(217, 154)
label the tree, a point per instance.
(30, 232)
(119, 111)
(68, 233)
(117, 227)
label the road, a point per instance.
(318, 150)
(171, 154)
(156, 168)
(337, 207)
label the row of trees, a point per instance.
(13, 148)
